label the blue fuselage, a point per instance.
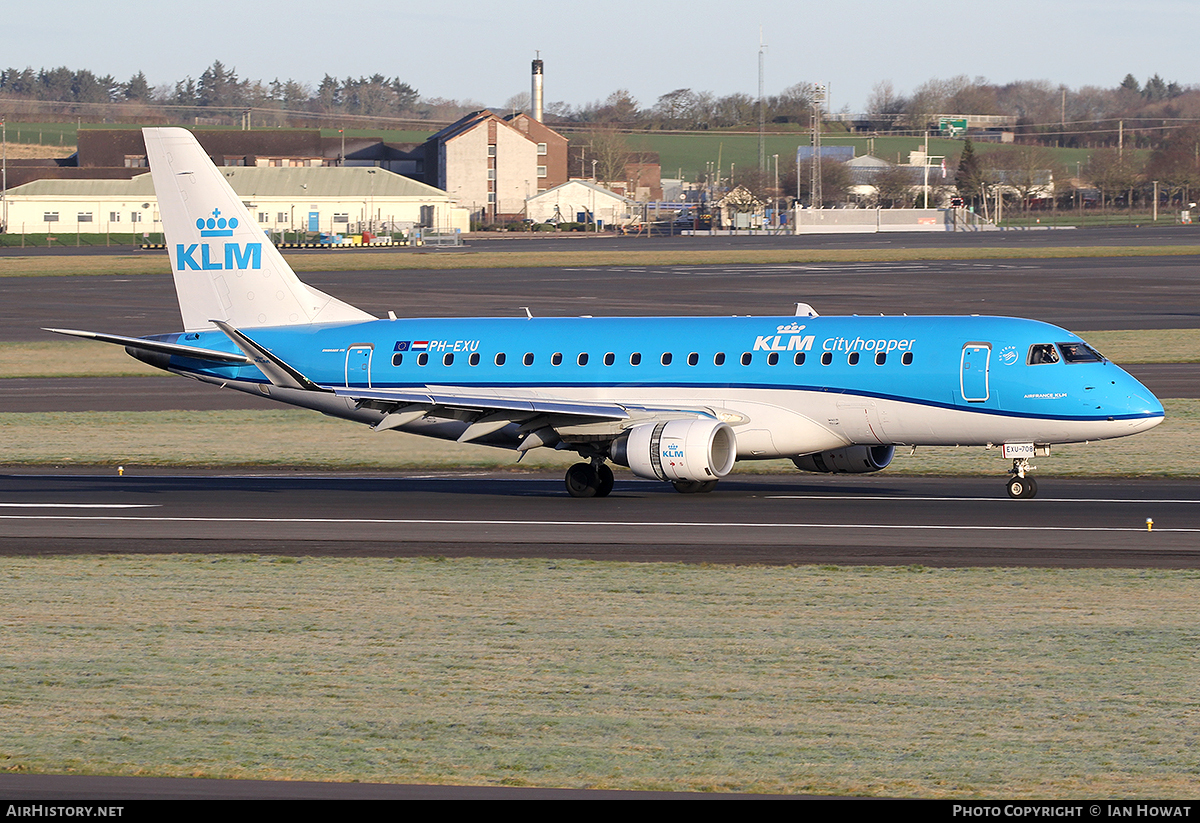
(922, 379)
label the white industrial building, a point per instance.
(334, 200)
(580, 201)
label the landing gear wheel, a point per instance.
(694, 486)
(583, 481)
(605, 477)
(1022, 488)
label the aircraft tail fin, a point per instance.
(224, 266)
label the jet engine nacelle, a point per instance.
(850, 460)
(696, 450)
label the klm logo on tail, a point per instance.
(234, 256)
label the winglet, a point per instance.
(278, 372)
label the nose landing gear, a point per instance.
(1021, 487)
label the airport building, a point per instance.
(298, 198)
(581, 201)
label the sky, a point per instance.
(481, 51)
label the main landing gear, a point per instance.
(1021, 486)
(694, 486)
(593, 479)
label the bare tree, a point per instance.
(885, 106)
(1113, 172)
(610, 151)
(1027, 170)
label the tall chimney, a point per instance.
(536, 93)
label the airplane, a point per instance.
(676, 399)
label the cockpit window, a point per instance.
(1040, 353)
(1079, 353)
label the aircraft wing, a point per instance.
(542, 418)
(536, 414)
(454, 398)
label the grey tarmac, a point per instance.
(769, 520)
(1078, 294)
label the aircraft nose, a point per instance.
(1140, 407)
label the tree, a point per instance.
(674, 108)
(137, 89)
(792, 105)
(1112, 172)
(894, 187)
(1028, 171)
(220, 87)
(607, 147)
(619, 107)
(835, 182)
(884, 106)
(1176, 164)
(969, 177)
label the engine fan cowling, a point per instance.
(697, 450)
(850, 460)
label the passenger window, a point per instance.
(800, 358)
(422, 358)
(693, 359)
(666, 358)
(635, 359)
(747, 357)
(397, 359)
(500, 358)
(907, 358)
(852, 358)
(582, 359)
(826, 358)
(556, 359)
(609, 358)
(448, 359)
(1041, 353)
(880, 358)
(772, 358)
(528, 360)
(719, 359)
(473, 359)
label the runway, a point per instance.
(1078, 294)
(772, 520)
(791, 519)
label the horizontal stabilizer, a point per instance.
(156, 346)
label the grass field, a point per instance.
(69, 358)
(1015, 683)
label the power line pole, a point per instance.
(762, 114)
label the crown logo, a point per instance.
(791, 328)
(216, 226)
